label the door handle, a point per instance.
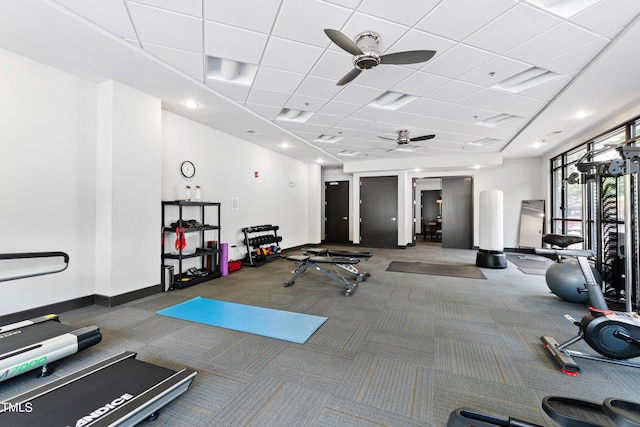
(345, 218)
(393, 219)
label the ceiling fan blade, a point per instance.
(422, 138)
(343, 41)
(348, 77)
(388, 139)
(409, 57)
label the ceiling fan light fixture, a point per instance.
(526, 79)
(228, 70)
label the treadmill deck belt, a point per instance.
(101, 391)
(33, 334)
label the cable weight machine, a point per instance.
(616, 252)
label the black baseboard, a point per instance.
(57, 308)
(61, 307)
(114, 301)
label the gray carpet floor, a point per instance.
(404, 350)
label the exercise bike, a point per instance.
(614, 335)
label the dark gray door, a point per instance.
(379, 211)
(336, 210)
(457, 213)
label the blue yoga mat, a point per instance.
(283, 325)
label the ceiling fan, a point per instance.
(403, 137)
(366, 55)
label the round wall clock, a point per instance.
(188, 169)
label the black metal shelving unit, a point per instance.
(209, 257)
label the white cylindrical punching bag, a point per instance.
(491, 232)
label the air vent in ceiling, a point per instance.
(499, 120)
(291, 115)
(228, 70)
(347, 153)
(328, 139)
(392, 100)
(527, 79)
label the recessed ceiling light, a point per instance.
(580, 114)
(190, 103)
(284, 145)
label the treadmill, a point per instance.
(119, 391)
(35, 343)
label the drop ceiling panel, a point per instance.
(319, 88)
(110, 15)
(187, 7)
(298, 21)
(518, 105)
(457, 61)
(573, 61)
(405, 12)
(268, 97)
(190, 63)
(236, 92)
(457, 19)
(291, 56)
(233, 43)
(552, 43)
(484, 98)
(608, 16)
(250, 15)
(514, 27)
(454, 91)
(279, 80)
(420, 84)
(151, 26)
(494, 71)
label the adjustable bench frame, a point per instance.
(302, 262)
(360, 276)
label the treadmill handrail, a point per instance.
(30, 255)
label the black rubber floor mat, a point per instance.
(451, 270)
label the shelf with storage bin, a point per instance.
(194, 260)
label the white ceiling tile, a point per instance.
(337, 108)
(233, 43)
(425, 122)
(514, 27)
(280, 80)
(456, 112)
(457, 19)
(266, 111)
(268, 97)
(151, 25)
(371, 113)
(351, 4)
(453, 91)
(353, 123)
(111, 15)
(575, 60)
(484, 98)
(319, 88)
(357, 94)
(501, 67)
(398, 119)
(554, 42)
(457, 61)
(187, 7)
(188, 62)
(608, 16)
(419, 84)
(518, 105)
(305, 103)
(291, 56)
(298, 21)
(547, 91)
(325, 119)
(232, 91)
(423, 106)
(405, 12)
(255, 15)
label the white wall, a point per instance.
(47, 176)
(225, 167)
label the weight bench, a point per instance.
(349, 267)
(302, 262)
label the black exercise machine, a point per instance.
(38, 342)
(119, 391)
(566, 412)
(614, 335)
(318, 258)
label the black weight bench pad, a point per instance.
(333, 260)
(338, 253)
(298, 258)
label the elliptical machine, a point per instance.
(614, 335)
